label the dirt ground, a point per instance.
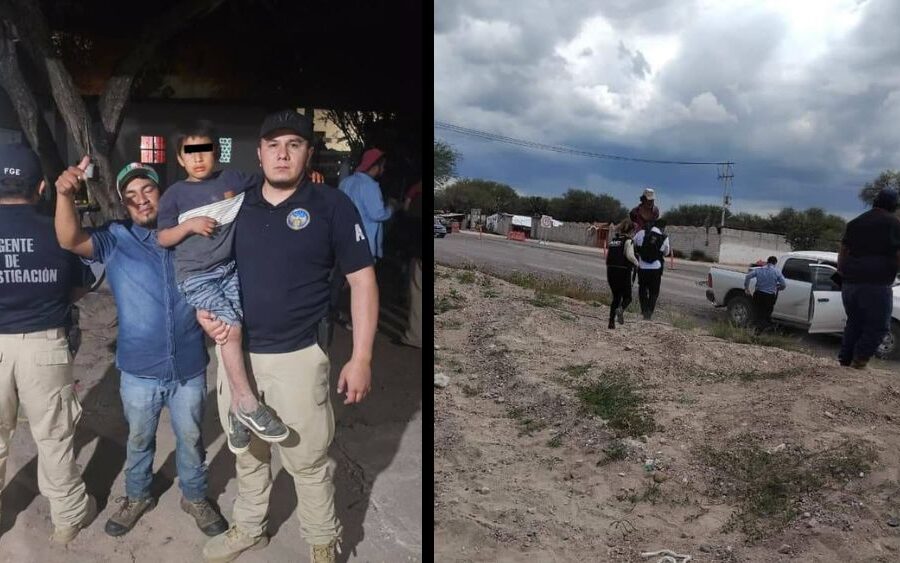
(377, 446)
(522, 473)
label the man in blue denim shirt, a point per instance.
(160, 347)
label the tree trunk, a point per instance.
(35, 128)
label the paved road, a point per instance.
(683, 287)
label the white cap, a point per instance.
(649, 194)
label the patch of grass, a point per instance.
(448, 302)
(515, 413)
(486, 281)
(555, 441)
(683, 322)
(470, 390)
(727, 331)
(466, 276)
(528, 426)
(490, 293)
(615, 399)
(686, 399)
(578, 370)
(560, 286)
(454, 365)
(651, 494)
(567, 317)
(542, 299)
(768, 487)
(452, 324)
(615, 451)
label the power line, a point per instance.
(559, 148)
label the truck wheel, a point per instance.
(740, 310)
(889, 349)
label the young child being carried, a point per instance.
(196, 216)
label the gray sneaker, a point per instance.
(264, 423)
(238, 435)
(129, 513)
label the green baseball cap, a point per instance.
(132, 171)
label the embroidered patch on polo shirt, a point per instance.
(298, 219)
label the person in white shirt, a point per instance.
(652, 246)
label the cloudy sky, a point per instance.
(803, 95)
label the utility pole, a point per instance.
(726, 175)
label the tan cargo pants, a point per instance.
(295, 385)
(36, 371)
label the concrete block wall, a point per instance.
(689, 239)
(569, 233)
(744, 247)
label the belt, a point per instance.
(48, 334)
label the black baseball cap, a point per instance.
(19, 162)
(288, 119)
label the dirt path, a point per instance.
(378, 448)
(760, 454)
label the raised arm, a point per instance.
(69, 233)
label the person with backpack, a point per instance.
(620, 261)
(652, 246)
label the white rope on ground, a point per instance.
(668, 556)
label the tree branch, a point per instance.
(117, 92)
(36, 131)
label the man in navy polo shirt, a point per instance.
(289, 235)
(37, 282)
(159, 349)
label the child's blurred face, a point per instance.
(198, 164)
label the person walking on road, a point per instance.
(652, 246)
(620, 262)
(868, 262)
(769, 281)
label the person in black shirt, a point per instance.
(620, 263)
(289, 235)
(868, 262)
(38, 282)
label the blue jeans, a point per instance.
(143, 399)
(868, 307)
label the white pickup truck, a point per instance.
(811, 300)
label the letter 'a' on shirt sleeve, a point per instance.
(104, 243)
(349, 240)
(167, 216)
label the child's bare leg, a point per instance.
(233, 357)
